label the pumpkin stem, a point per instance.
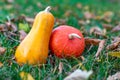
(48, 9)
(72, 35)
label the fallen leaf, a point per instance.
(115, 54)
(81, 22)
(113, 45)
(39, 4)
(79, 75)
(92, 41)
(11, 26)
(2, 27)
(23, 34)
(1, 64)
(115, 29)
(79, 5)
(100, 48)
(82, 57)
(67, 13)
(60, 67)
(107, 26)
(26, 76)
(2, 50)
(107, 16)
(88, 15)
(24, 26)
(116, 76)
(60, 21)
(10, 1)
(97, 31)
(29, 20)
(116, 39)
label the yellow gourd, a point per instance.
(34, 48)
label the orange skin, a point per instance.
(62, 46)
(34, 48)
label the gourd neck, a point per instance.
(48, 9)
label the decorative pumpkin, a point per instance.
(34, 48)
(67, 41)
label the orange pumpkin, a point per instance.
(67, 41)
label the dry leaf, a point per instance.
(10, 1)
(11, 26)
(107, 16)
(114, 77)
(117, 28)
(115, 54)
(79, 75)
(114, 45)
(23, 17)
(116, 39)
(107, 26)
(2, 27)
(88, 15)
(26, 76)
(100, 48)
(98, 31)
(60, 67)
(39, 4)
(29, 20)
(1, 64)
(79, 5)
(92, 41)
(2, 50)
(82, 57)
(95, 29)
(23, 34)
(60, 21)
(81, 22)
(67, 13)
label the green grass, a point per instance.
(102, 68)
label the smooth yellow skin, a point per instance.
(34, 48)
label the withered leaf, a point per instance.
(11, 26)
(115, 54)
(1, 64)
(92, 41)
(116, 76)
(107, 26)
(100, 48)
(97, 31)
(60, 21)
(115, 29)
(88, 15)
(2, 27)
(107, 16)
(60, 67)
(116, 39)
(81, 22)
(79, 75)
(79, 5)
(23, 34)
(26, 76)
(2, 50)
(10, 1)
(29, 20)
(67, 13)
(113, 45)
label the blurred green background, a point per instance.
(70, 12)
